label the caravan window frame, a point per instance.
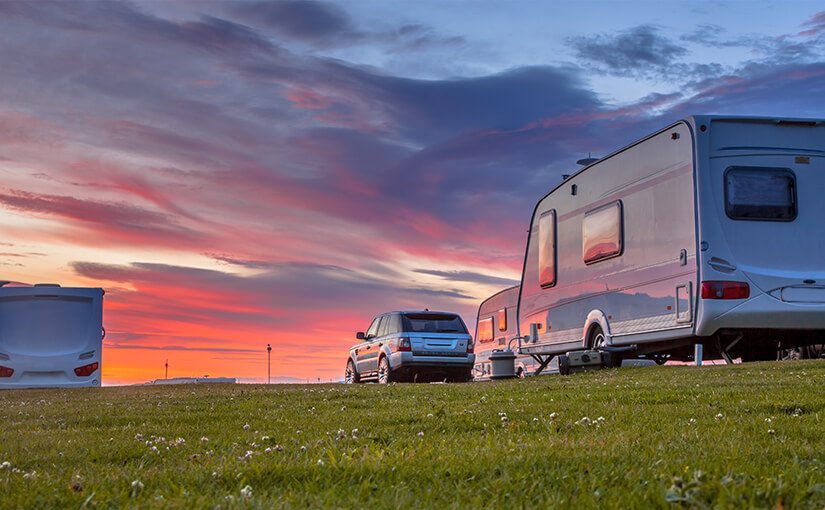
(482, 331)
(617, 231)
(548, 258)
(747, 212)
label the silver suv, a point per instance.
(412, 346)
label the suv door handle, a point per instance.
(380, 345)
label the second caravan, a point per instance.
(708, 231)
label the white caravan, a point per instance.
(709, 232)
(50, 336)
(497, 329)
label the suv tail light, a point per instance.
(470, 347)
(86, 370)
(404, 345)
(6, 371)
(725, 290)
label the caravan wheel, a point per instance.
(597, 338)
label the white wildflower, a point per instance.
(420, 434)
(5, 465)
(137, 486)
(139, 437)
(204, 439)
(246, 491)
(429, 415)
(246, 427)
(771, 431)
(320, 462)
(267, 450)
(303, 448)
(553, 416)
(719, 416)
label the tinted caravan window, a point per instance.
(433, 323)
(485, 330)
(502, 319)
(602, 233)
(758, 193)
(547, 249)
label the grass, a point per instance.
(746, 435)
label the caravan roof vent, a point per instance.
(587, 161)
(47, 285)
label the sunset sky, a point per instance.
(241, 173)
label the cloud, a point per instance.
(468, 276)
(124, 222)
(320, 24)
(636, 52)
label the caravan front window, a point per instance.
(547, 249)
(602, 233)
(485, 330)
(758, 193)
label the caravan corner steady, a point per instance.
(709, 231)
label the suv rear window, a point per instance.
(433, 323)
(760, 193)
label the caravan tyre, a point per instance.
(564, 364)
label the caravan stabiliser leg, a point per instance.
(543, 361)
(724, 350)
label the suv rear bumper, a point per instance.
(399, 360)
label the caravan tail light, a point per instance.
(725, 290)
(6, 371)
(86, 370)
(404, 345)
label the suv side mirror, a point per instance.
(359, 335)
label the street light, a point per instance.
(268, 354)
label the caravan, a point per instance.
(709, 231)
(497, 330)
(50, 336)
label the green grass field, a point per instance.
(747, 435)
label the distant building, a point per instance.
(194, 380)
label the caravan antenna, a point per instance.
(587, 161)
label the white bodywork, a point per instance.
(677, 233)
(46, 332)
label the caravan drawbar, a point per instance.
(709, 231)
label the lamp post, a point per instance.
(166, 372)
(268, 354)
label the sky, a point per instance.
(237, 174)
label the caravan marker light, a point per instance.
(725, 290)
(86, 370)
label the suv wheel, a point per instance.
(350, 375)
(384, 371)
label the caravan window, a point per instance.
(547, 249)
(602, 233)
(485, 330)
(502, 319)
(758, 193)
